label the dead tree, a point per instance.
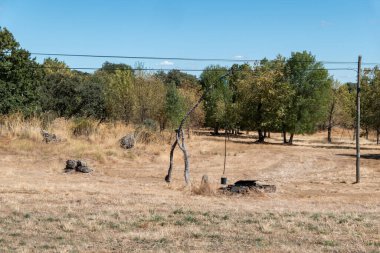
(180, 140)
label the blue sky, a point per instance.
(333, 30)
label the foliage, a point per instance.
(294, 95)
(118, 86)
(310, 83)
(174, 106)
(83, 127)
(19, 77)
(370, 101)
(264, 96)
(70, 94)
(218, 96)
(180, 79)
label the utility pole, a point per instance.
(358, 121)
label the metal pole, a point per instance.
(358, 121)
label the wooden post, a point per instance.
(358, 121)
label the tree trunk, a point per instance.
(180, 133)
(291, 139)
(377, 136)
(169, 175)
(284, 137)
(329, 134)
(216, 130)
(268, 135)
(182, 146)
(261, 136)
(265, 133)
(366, 133)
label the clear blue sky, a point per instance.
(335, 30)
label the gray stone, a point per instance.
(81, 163)
(70, 165)
(77, 165)
(48, 137)
(83, 169)
(128, 141)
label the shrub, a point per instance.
(83, 127)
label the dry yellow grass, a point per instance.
(125, 205)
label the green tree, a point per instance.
(20, 77)
(311, 84)
(370, 116)
(180, 79)
(71, 93)
(340, 109)
(148, 94)
(118, 80)
(217, 96)
(174, 106)
(264, 95)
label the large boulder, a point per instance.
(128, 141)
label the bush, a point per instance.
(83, 127)
(150, 125)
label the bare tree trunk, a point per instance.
(329, 134)
(169, 175)
(284, 137)
(182, 146)
(180, 133)
(366, 133)
(377, 136)
(268, 134)
(291, 139)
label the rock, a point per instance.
(77, 165)
(81, 163)
(83, 169)
(247, 186)
(70, 165)
(128, 141)
(204, 180)
(48, 137)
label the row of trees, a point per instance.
(292, 96)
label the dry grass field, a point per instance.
(125, 205)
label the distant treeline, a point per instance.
(290, 95)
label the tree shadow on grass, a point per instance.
(364, 156)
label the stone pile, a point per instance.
(248, 186)
(77, 165)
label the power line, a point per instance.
(182, 58)
(162, 69)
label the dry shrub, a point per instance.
(83, 127)
(146, 136)
(205, 188)
(16, 125)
